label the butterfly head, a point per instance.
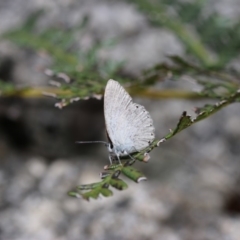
(116, 151)
(110, 148)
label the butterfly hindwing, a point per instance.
(129, 125)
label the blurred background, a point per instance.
(192, 192)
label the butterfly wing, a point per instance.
(129, 125)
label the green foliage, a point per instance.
(110, 178)
(216, 84)
(6, 88)
(202, 113)
(79, 71)
(212, 31)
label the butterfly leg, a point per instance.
(119, 159)
(132, 157)
(110, 159)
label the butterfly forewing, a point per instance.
(128, 124)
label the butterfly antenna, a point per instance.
(80, 142)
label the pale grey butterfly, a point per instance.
(129, 125)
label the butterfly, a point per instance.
(129, 125)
